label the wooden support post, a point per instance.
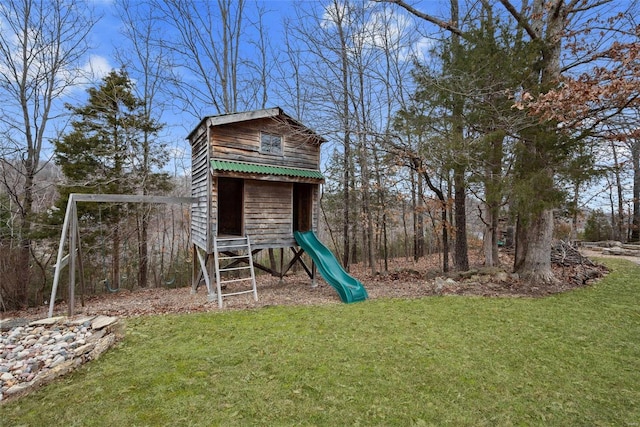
(72, 262)
(195, 273)
(298, 258)
(80, 265)
(59, 263)
(203, 267)
(281, 265)
(272, 260)
(313, 274)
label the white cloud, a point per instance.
(422, 48)
(331, 15)
(96, 67)
(87, 74)
(384, 29)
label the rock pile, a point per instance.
(612, 247)
(34, 353)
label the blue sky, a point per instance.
(107, 37)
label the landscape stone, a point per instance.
(615, 250)
(103, 321)
(502, 276)
(33, 353)
(47, 321)
(8, 324)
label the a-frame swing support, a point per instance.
(71, 232)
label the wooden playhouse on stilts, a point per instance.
(256, 178)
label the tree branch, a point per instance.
(437, 21)
(578, 6)
(520, 19)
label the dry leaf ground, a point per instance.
(404, 279)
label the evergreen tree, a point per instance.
(101, 154)
(597, 227)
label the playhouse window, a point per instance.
(270, 143)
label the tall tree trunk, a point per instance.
(368, 235)
(491, 235)
(115, 261)
(547, 25)
(420, 247)
(404, 227)
(346, 141)
(353, 226)
(24, 258)
(382, 205)
(493, 197)
(461, 256)
(414, 214)
(618, 223)
(635, 160)
(461, 247)
(612, 209)
(536, 264)
(143, 253)
(445, 238)
(574, 215)
(417, 165)
(346, 200)
(520, 243)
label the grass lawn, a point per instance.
(571, 359)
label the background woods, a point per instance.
(452, 126)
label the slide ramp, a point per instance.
(348, 287)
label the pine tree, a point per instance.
(101, 153)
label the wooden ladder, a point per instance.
(237, 249)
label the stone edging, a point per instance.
(35, 353)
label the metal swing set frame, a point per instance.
(71, 232)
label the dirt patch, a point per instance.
(404, 279)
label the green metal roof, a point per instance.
(246, 167)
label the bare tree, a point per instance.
(148, 63)
(263, 64)
(357, 57)
(321, 36)
(206, 39)
(41, 46)
(543, 26)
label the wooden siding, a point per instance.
(268, 213)
(200, 189)
(267, 209)
(241, 141)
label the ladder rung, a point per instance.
(232, 246)
(233, 257)
(235, 246)
(233, 268)
(235, 280)
(238, 293)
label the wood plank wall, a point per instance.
(268, 213)
(241, 141)
(200, 188)
(268, 204)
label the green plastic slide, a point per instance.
(348, 287)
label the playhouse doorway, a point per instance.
(302, 206)
(230, 203)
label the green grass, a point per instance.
(571, 359)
